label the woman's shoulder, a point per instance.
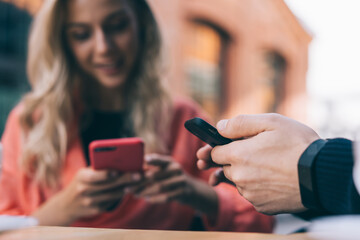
(188, 108)
(14, 115)
(13, 126)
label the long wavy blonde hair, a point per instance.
(50, 110)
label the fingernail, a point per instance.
(136, 176)
(221, 125)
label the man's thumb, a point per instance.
(243, 126)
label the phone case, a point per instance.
(206, 132)
(122, 154)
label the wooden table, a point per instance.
(70, 233)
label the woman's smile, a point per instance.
(110, 68)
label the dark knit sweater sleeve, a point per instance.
(334, 177)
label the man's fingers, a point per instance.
(218, 177)
(247, 125)
(214, 178)
(204, 165)
(204, 153)
(235, 152)
(224, 155)
(204, 156)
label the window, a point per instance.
(204, 53)
(271, 86)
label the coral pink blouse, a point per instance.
(21, 195)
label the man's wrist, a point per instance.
(306, 174)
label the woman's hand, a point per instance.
(166, 181)
(263, 166)
(90, 193)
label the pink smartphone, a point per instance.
(122, 154)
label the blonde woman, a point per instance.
(93, 70)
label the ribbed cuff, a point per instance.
(333, 174)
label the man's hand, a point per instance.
(264, 165)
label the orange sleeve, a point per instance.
(11, 141)
(234, 212)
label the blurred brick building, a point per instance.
(245, 56)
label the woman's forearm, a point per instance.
(51, 213)
(204, 199)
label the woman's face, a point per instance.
(103, 37)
